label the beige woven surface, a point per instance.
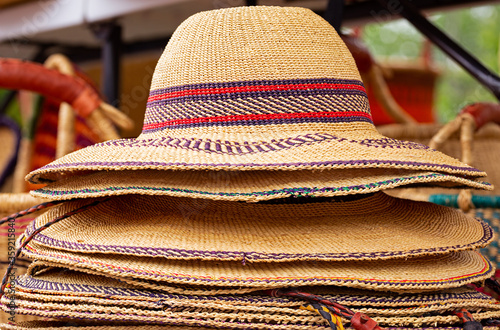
(70, 324)
(374, 227)
(219, 319)
(282, 47)
(63, 286)
(66, 325)
(415, 274)
(485, 155)
(243, 185)
(8, 139)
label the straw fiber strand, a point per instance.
(183, 229)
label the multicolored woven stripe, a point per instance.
(258, 102)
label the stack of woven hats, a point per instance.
(261, 105)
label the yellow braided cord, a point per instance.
(334, 318)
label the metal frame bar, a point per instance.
(467, 61)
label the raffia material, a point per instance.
(411, 275)
(63, 299)
(250, 186)
(378, 227)
(292, 99)
(64, 326)
(485, 140)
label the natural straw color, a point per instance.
(411, 275)
(251, 186)
(61, 285)
(207, 317)
(67, 116)
(485, 140)
(256, 88)
(65, 293)
(61, 325)
(374, 227)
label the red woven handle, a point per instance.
(483, 112)
(17, 74)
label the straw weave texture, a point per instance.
(251, 186)
(412, 275)
(379, 227)
(485, 156)
(64, 326)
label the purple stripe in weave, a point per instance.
(254, 83)
(177, 278)
(285, 121)
(342, 163)
(31, 283)
(253, 95)
(252, 255)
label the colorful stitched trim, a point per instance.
(333, 164)
(54, 256)
(29, 283)
(285, 191)
(248, 148)
(173, 253)
(257, 103)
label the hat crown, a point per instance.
(254, 65)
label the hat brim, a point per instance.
(66, 288)
(336, 149)
(374, 227)
(252, 186)
(399, 275)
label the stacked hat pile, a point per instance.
(260, 105)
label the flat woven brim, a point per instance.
(400, 275)
(250, 186)
(63, 290)
(371, 228)
(343, 147)
(69, 325)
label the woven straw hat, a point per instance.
(233, 277)
(256, 88)
(369, 228)
(72, 293)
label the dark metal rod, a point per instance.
(447, 45)
(334, 13)
(110, 34)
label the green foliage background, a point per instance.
(477, 29)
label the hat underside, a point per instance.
(187, 229)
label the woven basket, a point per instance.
(102, 127)
(412, 87)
